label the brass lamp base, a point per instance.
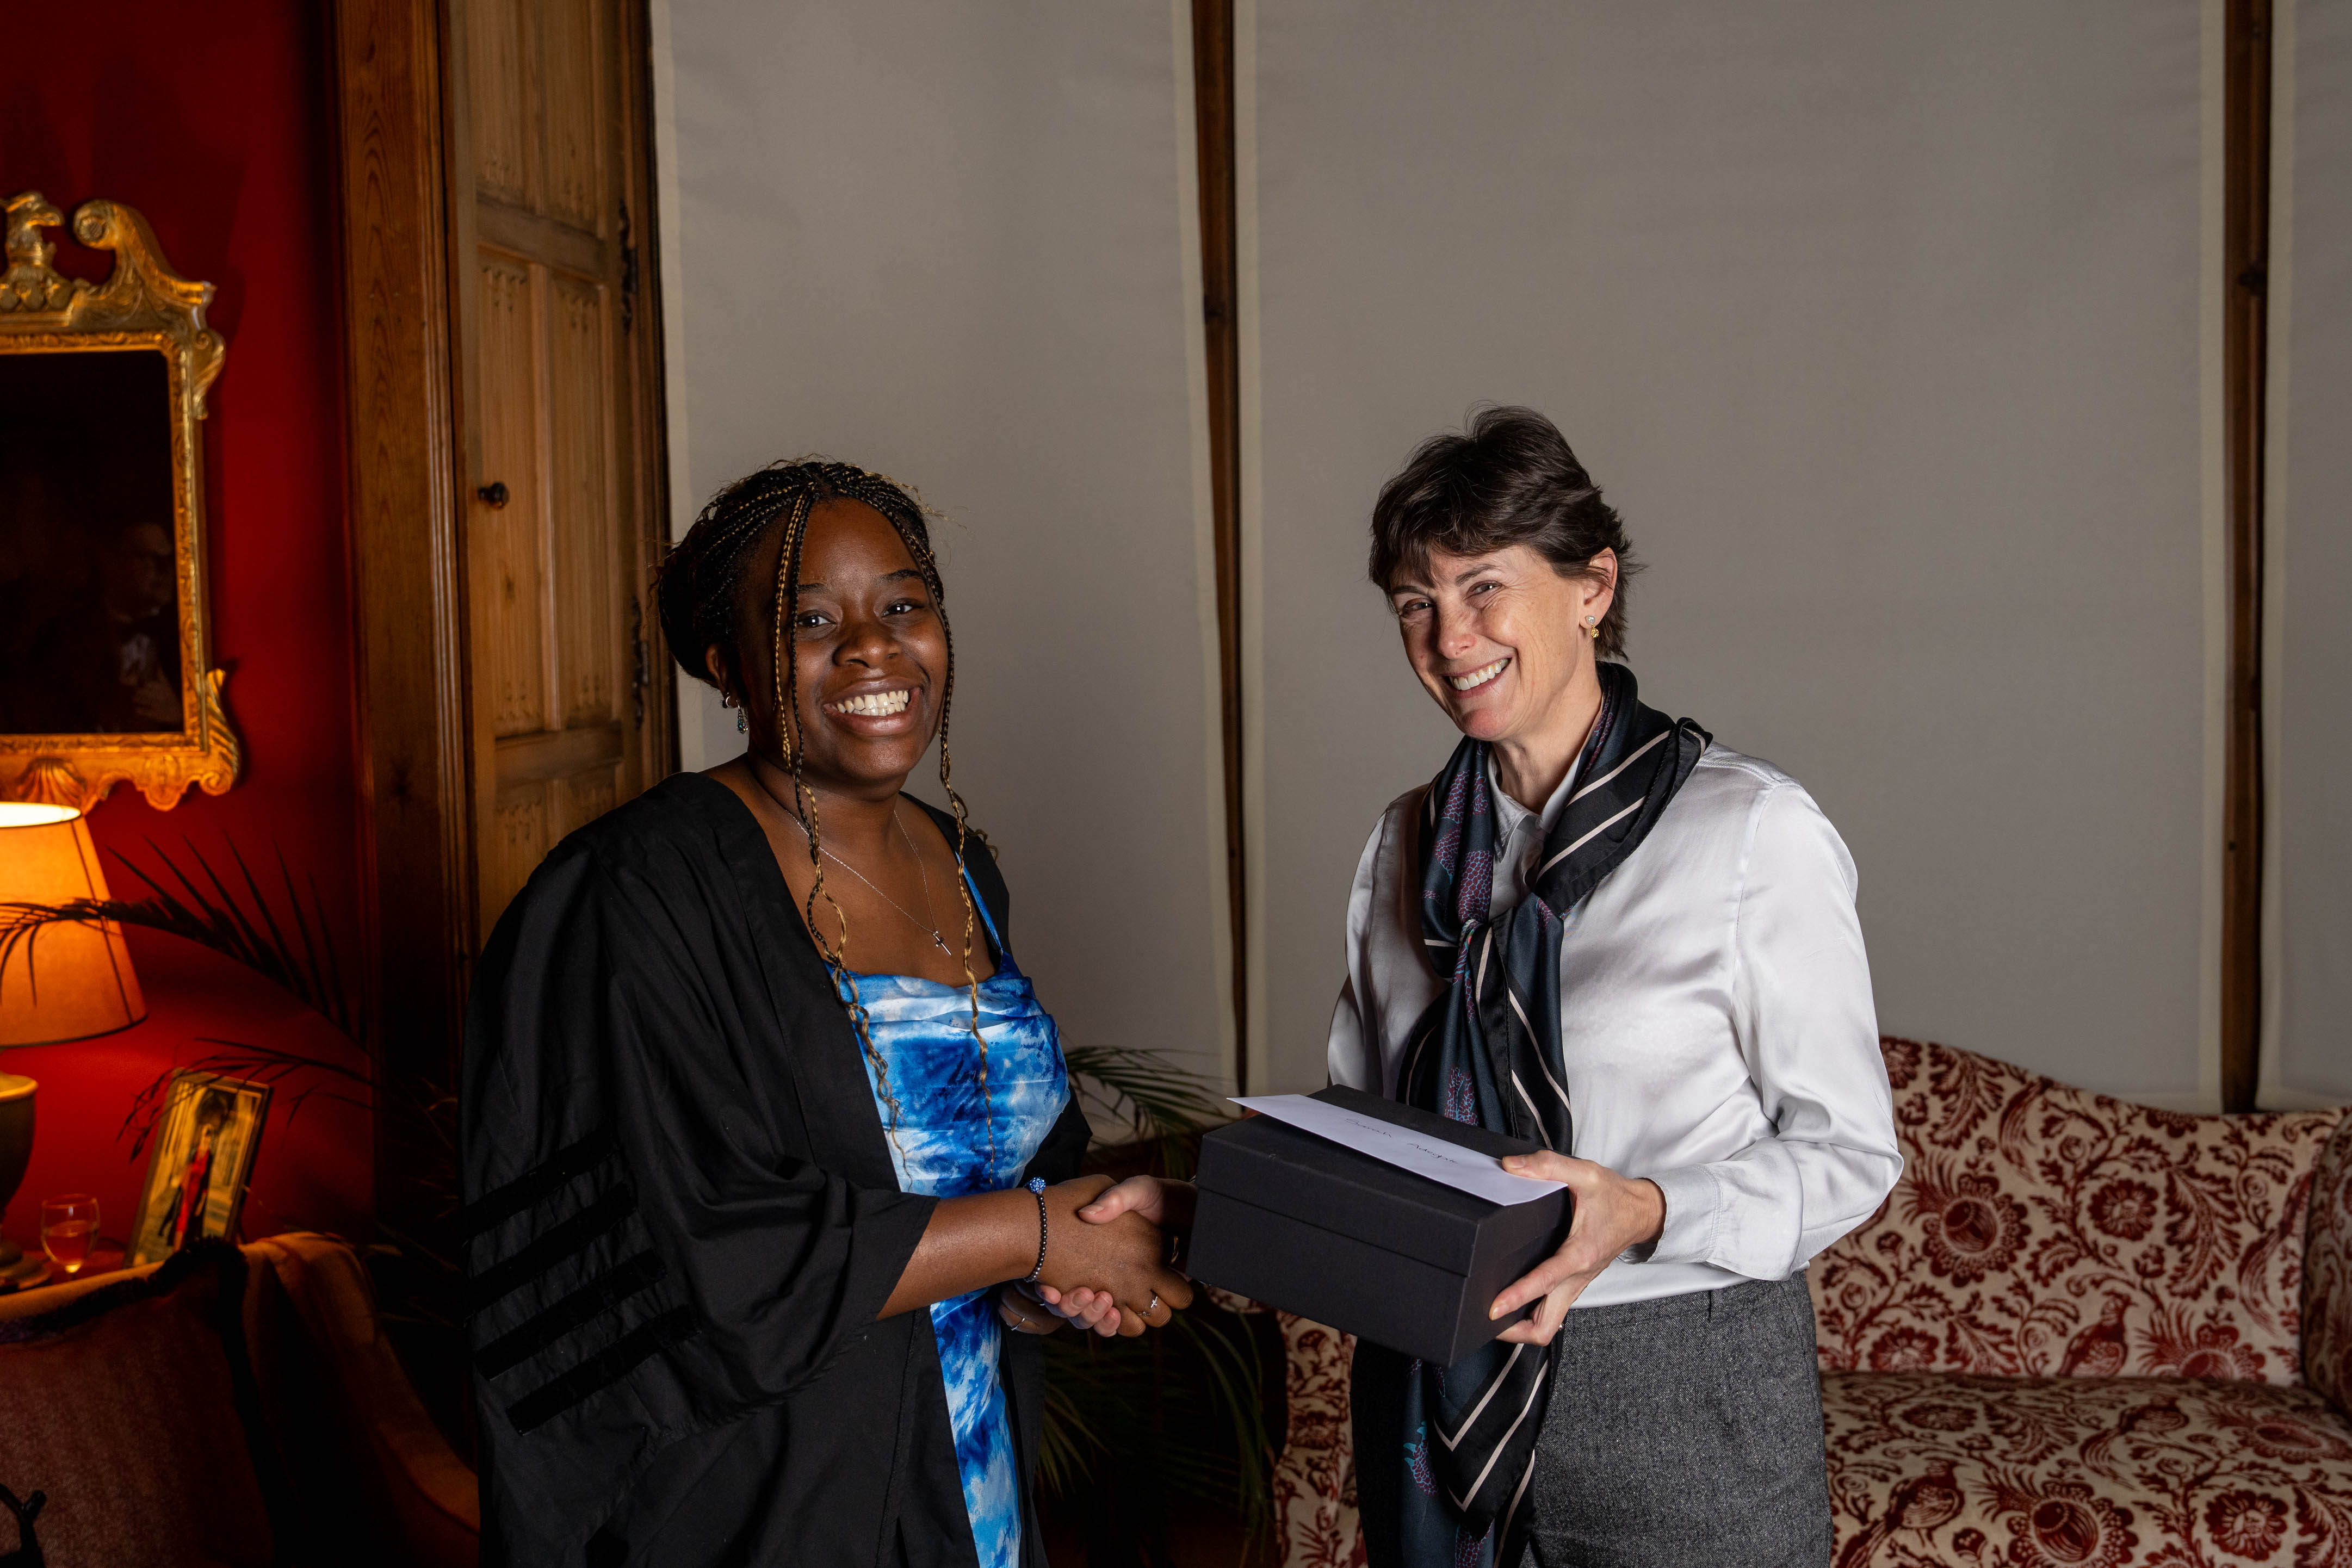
(19, 1268)
(15, 1152)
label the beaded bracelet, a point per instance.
(1036, 1186)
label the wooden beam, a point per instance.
(1212, 115)
(408, 590)
(1213, 80)
(2246, 202)
(649, 675)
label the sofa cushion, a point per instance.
(1314, 1481)
(130, 1407)
(2043, 1230)
(2327, 1275)
(2087, 1472)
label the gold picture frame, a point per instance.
(199, 1163)
(103, 679)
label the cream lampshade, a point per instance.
(62, 981)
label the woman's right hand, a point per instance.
(1121, 1261)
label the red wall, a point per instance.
(217, 122)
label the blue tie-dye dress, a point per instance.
(958, 1131)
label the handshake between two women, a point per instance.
(1108, 1258)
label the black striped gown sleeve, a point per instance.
(661, 1241)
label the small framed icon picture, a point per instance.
(201, 1159)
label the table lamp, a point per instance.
(63, 980)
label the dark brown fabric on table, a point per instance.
(686, 1219)
(133, 1409)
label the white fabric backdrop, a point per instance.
(1883, 325)
(2307, 1056)
(951, 242)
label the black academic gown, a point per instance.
(683, 1219)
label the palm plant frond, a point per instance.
(437, 1281)
(285, 938)
(293, 948)
(1065, 1443)
(256, 1063)
(1158, 1100)
(1233, 1395)
(1186, 1405)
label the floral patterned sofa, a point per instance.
(2080, 1332)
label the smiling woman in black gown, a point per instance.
(768, 1147)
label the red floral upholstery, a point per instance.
(1927, 1467)
(2044, 1232)
(1315, 1480)
(2080, 1332)
(2328, 1276)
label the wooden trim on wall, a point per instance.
(2246, 202)
(1213, 118)
(651, 676)
(407, 558)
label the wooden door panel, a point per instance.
(518, 840)
(510, 587)
(571, 108)
(505, 119)
(582, 541)
(443, 149)
(557, 244)
(553, 416)
(583, 798)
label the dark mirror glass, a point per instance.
(89, 613)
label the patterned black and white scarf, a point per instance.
(1488, 1051)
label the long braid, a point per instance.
(886, 497)
(696, 595)
(786, 668)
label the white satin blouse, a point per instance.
(1716, 1020)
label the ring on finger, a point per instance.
(1152, 1307)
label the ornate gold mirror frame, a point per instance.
(141, 308)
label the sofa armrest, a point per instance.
(2327, 1274)
(410, 1470)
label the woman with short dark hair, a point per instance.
(770, 1159)
(1598, 930)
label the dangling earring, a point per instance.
(742, 724)
(1594, 630)
(727, 699)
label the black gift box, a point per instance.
(1315, 1227)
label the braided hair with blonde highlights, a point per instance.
(700, 589)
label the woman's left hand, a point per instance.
(1022, 1310)
(1167, 1204)
(1613, 1213)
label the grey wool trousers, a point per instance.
(1682, 1433)
(1686, 1433)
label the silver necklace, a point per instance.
(932, 930)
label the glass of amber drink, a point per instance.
(69, 1226)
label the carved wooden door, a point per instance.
(556, 380)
